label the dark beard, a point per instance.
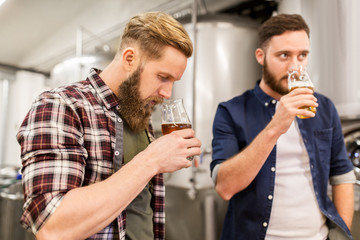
(134, 110)
(271, 81)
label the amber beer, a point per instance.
(167, 128)
(309, 108)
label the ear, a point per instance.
(260, 56)
(128, 58)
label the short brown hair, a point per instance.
(279, 24)
(152, 31)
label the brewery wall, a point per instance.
(223, 66)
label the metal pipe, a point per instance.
(3, 117)
(193, 191)
(194, 24)
(209, 217)
(79, 51)
(12, 69)
(79, 41)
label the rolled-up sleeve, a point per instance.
(225, 143)
(348, 177)
(53, 157)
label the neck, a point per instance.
(113, 76)
(269, 91)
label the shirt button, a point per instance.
(265, 224)
(117, 153)
(266, 104)
(273, 101)
(119, 120)
(270, 197)
(273, 169)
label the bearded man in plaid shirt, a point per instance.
(91, 168)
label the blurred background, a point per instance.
(46, 43)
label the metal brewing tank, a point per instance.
(11, 202)
(77, 68)
(223, 66)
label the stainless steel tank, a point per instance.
(77, 68)
(223, 66)
(11, 202)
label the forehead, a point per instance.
(289, 41)
(172, 62)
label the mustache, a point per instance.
(284, 77)
(155, 99)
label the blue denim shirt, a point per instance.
(238, 121)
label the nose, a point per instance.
(296, 65)
(166, 90)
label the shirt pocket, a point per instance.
(323, 140)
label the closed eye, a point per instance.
(163, 78)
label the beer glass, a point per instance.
(300, 78)
(174, 117)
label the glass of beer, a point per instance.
(174, 116)
(300, 78)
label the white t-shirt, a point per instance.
(295, 213)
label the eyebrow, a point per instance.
(287, 51)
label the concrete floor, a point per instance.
(187, 221)
(355, 231)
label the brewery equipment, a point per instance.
(78, 67)
(11, 201)
(351, 131)
(223, 66)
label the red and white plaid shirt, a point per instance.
(72, 137)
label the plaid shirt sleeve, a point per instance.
(53, 157)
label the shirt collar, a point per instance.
(107, 96)
(265, 99)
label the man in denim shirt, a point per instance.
(274, 167)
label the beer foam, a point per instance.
(298, 84)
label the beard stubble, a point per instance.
(271, 81)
